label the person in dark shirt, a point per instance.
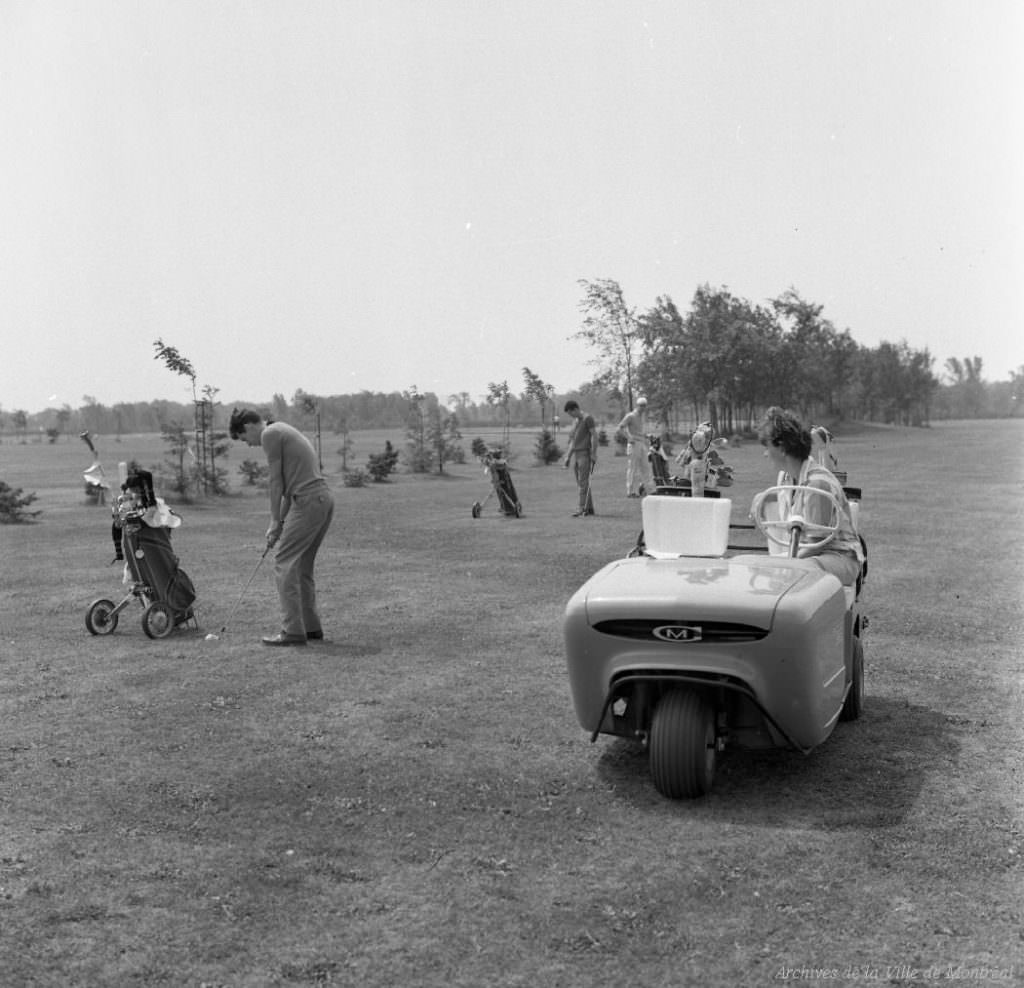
(583, 454)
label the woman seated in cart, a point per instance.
(788, 446)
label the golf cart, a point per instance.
(688, 645)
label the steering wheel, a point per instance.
(813, 536)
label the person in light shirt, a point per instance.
(301, 509)
(788, 447)
(634, 425)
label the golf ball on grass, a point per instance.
(211, 637)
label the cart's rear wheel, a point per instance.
(682, 745)
(477, 508)
(158, 620)
(854, 702)
(101, 618)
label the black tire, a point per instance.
(101, 618)
(477, 508)
(854, 702)
(158, 620)
(683, 745)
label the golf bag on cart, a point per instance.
(142, 540)
(658, 460)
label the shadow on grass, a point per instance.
(868, 774)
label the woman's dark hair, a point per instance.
(240, 418)
(783, 429)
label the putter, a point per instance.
(245, 590)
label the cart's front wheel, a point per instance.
(158, 620)
(101, 618)
(477, 508)
(683, 745)
(854, 702)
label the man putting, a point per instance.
(301, 509)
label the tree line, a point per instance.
(723, 360)
(726, 359)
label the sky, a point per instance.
(379, 194)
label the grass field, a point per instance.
(412, 802)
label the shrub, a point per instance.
(355, 478)
(382, 465)
(13, 502)
(255, 473)
(546, 450)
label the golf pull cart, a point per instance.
(496, 466)
(688, 647)
(141, 533)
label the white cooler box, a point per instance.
(685, 526)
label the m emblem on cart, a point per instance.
(678, 633)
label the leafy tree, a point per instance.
(612, 328)
(499, 396)
(20, 420)
(309, 405)
(279, 408)
(213, 478)
(443, 437)
(417, 452)
(92, 413)
(176, 440)
(345, 450)
(715, 342)
(207, 473)
(538, 391)
(967, 387)
(63, 418)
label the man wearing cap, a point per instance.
(634, 425)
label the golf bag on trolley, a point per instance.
(141, 534)
(496, 466)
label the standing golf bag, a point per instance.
(501, 484)
(141, 533)
(658, 461)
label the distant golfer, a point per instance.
(634, 425)
(583, 453)
(301, 509)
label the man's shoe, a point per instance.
(314, 636)
(282, 639)
(577, 514)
